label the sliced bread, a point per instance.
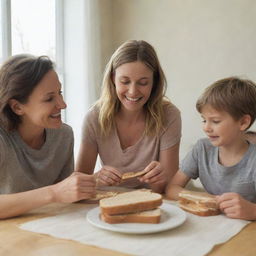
(151, 216)
(129, 202)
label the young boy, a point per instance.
(225, 161)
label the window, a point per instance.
(29, 26)
(33, 29)
(32, 26)
(5, 30)
(37, 27)
(1, 34)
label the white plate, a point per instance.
(171, 217)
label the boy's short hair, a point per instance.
(233, 95)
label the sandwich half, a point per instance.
(199, 203)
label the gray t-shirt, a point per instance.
(23, 168)
(137, 156)
(202, 161)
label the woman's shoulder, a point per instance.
(90, 123)
(66, 128)
(171, 113)
(64, 131)
(170, 108)
(92, 114)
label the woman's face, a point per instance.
(134, 82)
(43, 108)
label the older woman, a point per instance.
(36, 148)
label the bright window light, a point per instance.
(1, 35)
(33, 27)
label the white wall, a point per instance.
(83, 55)
(198, 42)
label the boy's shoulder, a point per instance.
(252, 149)
(204, 142)
(204, 146)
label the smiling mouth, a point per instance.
(133, 99)
(57, 115)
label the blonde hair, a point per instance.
(233, 95)
(109, 104)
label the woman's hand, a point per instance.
(77, 186)
(235, 206)
(108, 176)
(155, 174)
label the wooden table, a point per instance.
(17, 242)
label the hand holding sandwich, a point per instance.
(155, 175)
(108, 176)
(235, 206)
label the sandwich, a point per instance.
(135, 206)
(198, 203)
(129, 175)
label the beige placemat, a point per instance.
(195, 237)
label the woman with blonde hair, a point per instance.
(133, 126)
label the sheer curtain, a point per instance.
(82, 73)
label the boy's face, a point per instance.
(220, 127)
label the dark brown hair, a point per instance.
(19, 75)
(233, 95)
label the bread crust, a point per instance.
(129, 208)
(200, 212)
(198, 203)
(131, 218)
(208, 204)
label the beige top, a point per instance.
(137, 156)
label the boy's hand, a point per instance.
(235, 206)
